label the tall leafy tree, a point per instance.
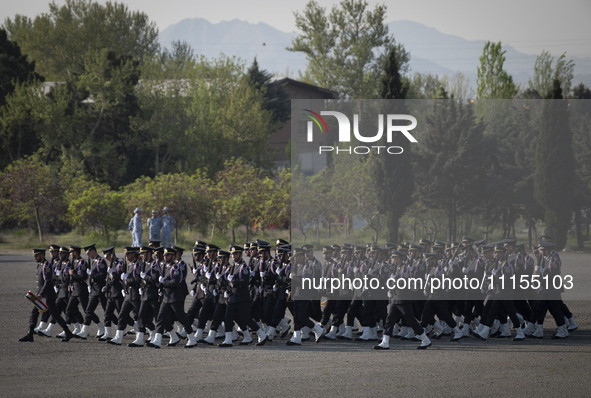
(59, 40)
(276, 99)
(546, 69)
(554, 175)
(346, 48)
(493, 81)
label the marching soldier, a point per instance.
(114, 290)
(45, 290)
(53, 260)
(61, 282)
(78, 288)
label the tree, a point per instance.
(493, 82)
(346, 49)
(59, 40)
(276, 99)
(554, 174)
(393, 180)
(545, 73)
(30, 192)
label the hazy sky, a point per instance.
(528, 25)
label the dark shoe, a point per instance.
(224, 345)
(27, 337)
(378, 347)
(423, 347)
(263, 342)
(69, 336)
(135, 345)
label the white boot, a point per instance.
(182, 333)
(271, 333)
(529, 329)
(199, 335)
(208, 326)
(428, 329)
(520, 317)
(342, 329)
(157, 342)
(247, 338)
(47, 331)
(227, 340)
(107, 335)
(41, 326)
(262, 337)
(403, 332)
(365, 335)
(479, 328)
(139, 340)
(77, 328)
(283, 326)
(539, 332)
(380, 326)
(118, 339)
(425, 342)
(446, 328)
(133, 329)
(174, 339)
(395, 330)
(348, 334)
(63, 334)
(191, 340)
(234, 334)
(373, 333)
(410, 334)
(83, 334)
(483, 334)
(318, 330)
(332, 334)
(437, 330)
(221, 331)
(495, 326)
(572, 325)
(519, 336)
(151, 335)
(384, 345)
(305, 333)
(465, 330)
(296, 338)
(505, 330)
(210, 339)
(561, 332)
(457, 334)
(101, 330)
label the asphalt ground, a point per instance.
(470, 367)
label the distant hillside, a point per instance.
(431, 51)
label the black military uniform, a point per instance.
(78, 287)
(97, 279)
(114, 290)
(45, 290)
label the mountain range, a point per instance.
(431, 51)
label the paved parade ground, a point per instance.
(470, 367)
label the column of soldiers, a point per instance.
(249, 289)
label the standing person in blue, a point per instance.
(46, 291)
(154, 226)
(167, 227)
(135, 227)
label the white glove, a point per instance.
(110, 270)
(226, 295)
(89, 271)
(278, 271)
(160, 294)
(104, 289)
(260, 289)
(389, 294)
(58, 273)
(275, 288)
(89, 289)
(123, 292)
(218, 275)
(292, 275)
(192, 293)
(495, 271)
(194, 271)
(231, 277)
(161, 279)
(465, 270)
(203, 287)
(286, 291)
(356, 269)
(55, 289)
(208, 275)
(252, 273)
(123, 277)
(262, 274)
(141, 291)
(143, 275)
(215, 292)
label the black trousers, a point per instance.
(124, 315)
(167, 310)
(402, 311)
(73, 313)
(148, 310)
(256, 307)
(50, 301)
(555, 310)
(89, 315)
(368, 313)
(239, 313)
(439, 308)
(315, 310)
(268, 307)
(206, 312)
(327, 311)
(219, 313)
(472, 310)
(194, 308)
(354, 311)
(301, 315)
(278, 312)
(60, 306)
(499, 310)
(113, 303)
